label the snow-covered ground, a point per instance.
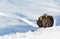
(48, 33)
(19, 17)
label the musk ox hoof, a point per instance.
(45, 21)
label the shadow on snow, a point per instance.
(14, 29)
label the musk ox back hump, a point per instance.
(45, 21)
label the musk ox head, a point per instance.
(45, 21)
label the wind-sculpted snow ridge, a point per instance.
(17, 19)
(30, 7)
(48, 33)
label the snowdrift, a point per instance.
(48, 33)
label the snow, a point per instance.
(48, 33)
(18, 16)
(13, 11)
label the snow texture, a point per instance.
(19, 17)
(48, 33)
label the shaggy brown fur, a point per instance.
(45, 21)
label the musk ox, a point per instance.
(45, 21)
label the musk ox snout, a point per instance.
(45, 21)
